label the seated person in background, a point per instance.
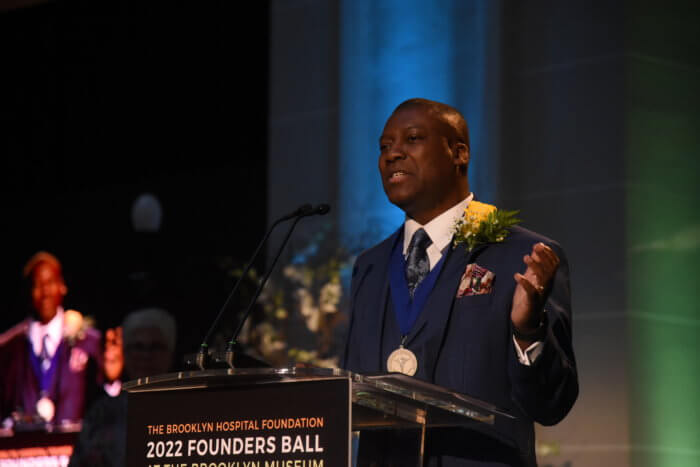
(149, 346)
(51, 364)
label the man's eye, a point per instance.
(413, 138)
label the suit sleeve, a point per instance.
(546, 390)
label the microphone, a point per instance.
(320, 210)
(302, 211)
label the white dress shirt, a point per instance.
(53, 330)
(441, 230)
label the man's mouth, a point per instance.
(398, 175)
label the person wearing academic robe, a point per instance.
(53, 363)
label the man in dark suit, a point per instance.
(493, 322)
(52, 363)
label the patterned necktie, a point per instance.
(417, 263)
(44, 355)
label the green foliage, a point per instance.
(493, 229)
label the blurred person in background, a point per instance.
(52, 364)
(148, 338)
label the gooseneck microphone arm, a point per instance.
(321, 210)
(304, 210)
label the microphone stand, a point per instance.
(321, 209)
(203, 353)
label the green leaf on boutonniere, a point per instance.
(483, 223)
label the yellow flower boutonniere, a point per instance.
(483, 223)
(75, 326)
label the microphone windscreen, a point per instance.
(305, 210)
(322, 209)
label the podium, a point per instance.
(31, 448)
(294, 417)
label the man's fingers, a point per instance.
(546, 254)
(541, 276)
(530, 288)
(541, 265)
(114, 334)
(113, 343)
(543, 262)
(543, 259)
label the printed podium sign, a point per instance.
(290, 424)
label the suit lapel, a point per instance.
(377, 285)
(436, 313)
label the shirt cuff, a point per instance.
(528, 356)
(114, 388)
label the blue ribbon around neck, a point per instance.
(43, 377)
(405, 309)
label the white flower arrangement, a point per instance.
(302, 307)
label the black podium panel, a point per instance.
(277, 424)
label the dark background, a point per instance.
(102, 101)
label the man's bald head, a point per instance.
(41, 257)
(47, 285)
(445, 112)
(424, 156)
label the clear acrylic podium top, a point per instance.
(379, 401)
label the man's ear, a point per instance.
(460, 155)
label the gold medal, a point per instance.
(403, 361)
(45, 408)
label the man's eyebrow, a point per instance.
(411, 127)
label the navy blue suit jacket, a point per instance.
(466, 344)
(72, 387)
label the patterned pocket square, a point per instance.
(476, 280)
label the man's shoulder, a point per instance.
(91, 335)
(527, 235)
(521, 238)
(377, 252)
(15, 333)
(90, 340)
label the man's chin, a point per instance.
(400, 198)
(46, 313)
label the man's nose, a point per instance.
(395, 152)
